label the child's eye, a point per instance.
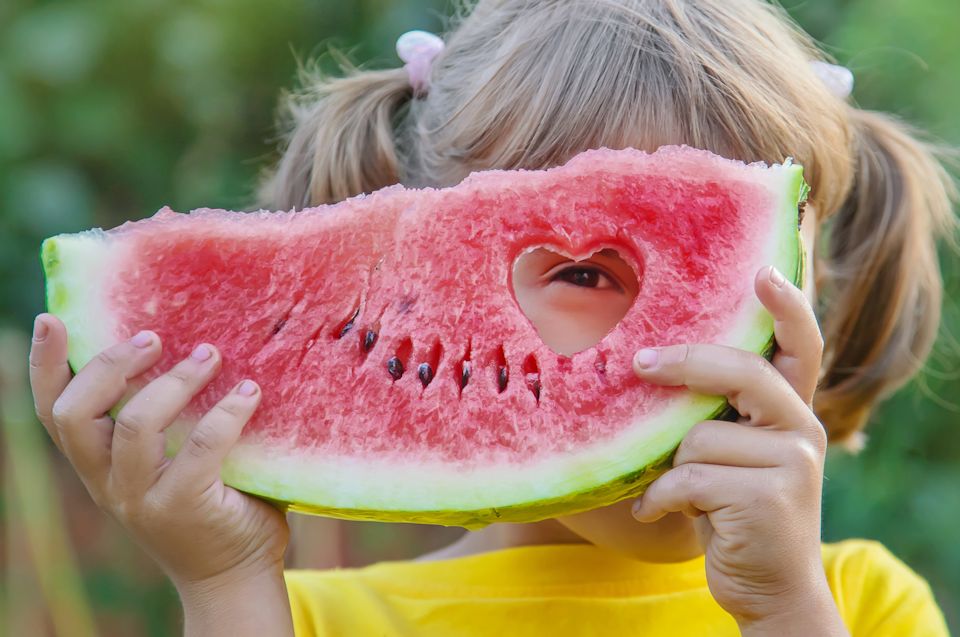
(586, 277)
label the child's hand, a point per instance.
(201, 532)
(754, 486)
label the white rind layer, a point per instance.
(77, 266)
(754, 325)
(343, 483)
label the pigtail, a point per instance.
(881, 278)
(340, 139)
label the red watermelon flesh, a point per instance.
(400, 379)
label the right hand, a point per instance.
(199, 530)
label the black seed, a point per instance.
(502, 378)
(349, 324)
(465, 375)
(535, 388)
(395, 367)
(369, 339)
(346, 328)
(425, 372)
(279, 325)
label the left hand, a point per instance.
(754, 486)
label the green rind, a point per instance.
(629, 485)
(50, 262)
(58, 302)
(61, 303)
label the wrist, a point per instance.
(811, 611)
(237, 603)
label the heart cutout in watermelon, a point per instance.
(401, 381)
(573, 301)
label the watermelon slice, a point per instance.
(335, 310)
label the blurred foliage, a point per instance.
(110, 110)
(904, 488)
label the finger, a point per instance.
(732, 444)
(79, 412)
(138, 439)
(693, 489)
(719, 442)
(49, 371)
(197, 465)
(751, 384)
(799, 341)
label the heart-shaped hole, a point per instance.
(573, 302)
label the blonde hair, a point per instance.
(530, 83)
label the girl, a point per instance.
(727, 540)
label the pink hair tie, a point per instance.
(837, 79)
(418, 49)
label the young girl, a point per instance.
(727, 540)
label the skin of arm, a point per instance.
(238, 605)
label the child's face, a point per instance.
(573, 305)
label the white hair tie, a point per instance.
(418, 49)
(837, 79)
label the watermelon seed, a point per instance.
(398, 363)
(462, 369)
(395, 367)
(502, 378)
(431, 363)
(531, 372)
(369, 340)
(283, 319)
(502, 373)
(349, 324)
(425, 372)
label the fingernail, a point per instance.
(40, 330)
(142, 339)
(201, 353)
(776, 277)
(646, 358)
(635, 508)
(247, 388)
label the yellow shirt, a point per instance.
(579, 589)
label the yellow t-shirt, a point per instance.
(579, 589)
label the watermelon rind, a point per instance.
(65, 284)
(599, 476)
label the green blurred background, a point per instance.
(110, 110)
